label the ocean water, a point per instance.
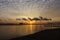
(12, 31)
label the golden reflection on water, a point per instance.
(25, 30)
(11, 31)
(31, 28)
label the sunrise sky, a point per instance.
(12, 9)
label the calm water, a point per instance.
(12, 31)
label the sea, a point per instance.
(13, 31)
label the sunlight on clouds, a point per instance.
(30, 8)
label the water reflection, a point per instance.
(11, 31)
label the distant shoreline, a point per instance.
(36, 23)
(50, 24)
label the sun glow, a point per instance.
(32, 22)
(31, 25)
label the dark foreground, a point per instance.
(49, 34)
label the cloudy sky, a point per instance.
(12, 9)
